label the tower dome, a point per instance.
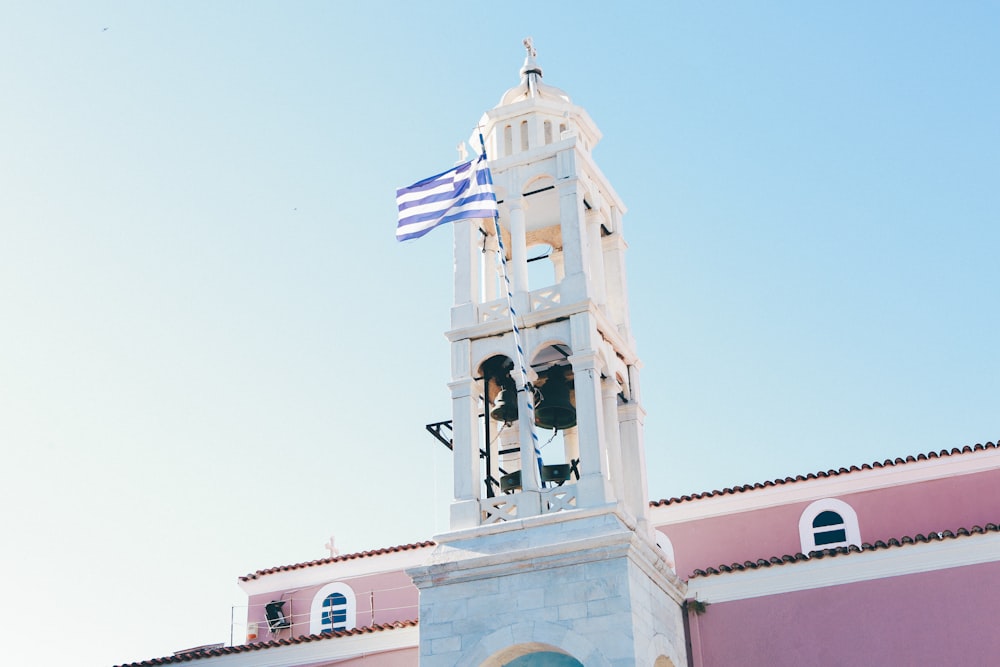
(531, 82)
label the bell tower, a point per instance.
(550, 548)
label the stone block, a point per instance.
(487, 605)
(572, 611)
(446, 645)
(443, 610)
(435, 631)
(556, 596)
(596, 608)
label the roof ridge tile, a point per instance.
(339, 558)
(888, 463)
(819, 554)
(272, 643)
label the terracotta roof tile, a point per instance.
(338, 559)
(888, 463)
(198, 654)
(840, 551)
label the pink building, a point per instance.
(892, 563)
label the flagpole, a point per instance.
(529, 389)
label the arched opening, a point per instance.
(541, 269)
(500, 458)
(533, 654)
(555, 414)
(663, 661)
(333, 608)
(828, 523)
(543, 240)
(554, 405)
(544, 659)
(533, 638)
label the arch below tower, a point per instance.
(501, 647)
(544, 658)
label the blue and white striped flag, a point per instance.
(463, 192)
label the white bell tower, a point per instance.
(550, 550)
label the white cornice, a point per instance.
(808, 490)
(537, 318)
(315, 575)
(846, 568)
(320, 652)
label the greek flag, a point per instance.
(463, 192)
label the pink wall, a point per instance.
(394, 596)
(932, 506)
(896, 511)
(947, 617)
(735, 538)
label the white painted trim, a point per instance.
(666, 546)
(315, 575)
(324, 651)
(316, 608)
(807, 534)
(814, 489)
(846, 568)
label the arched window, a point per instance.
(334, 612)
(828, 528)
(828, 523)
(333, 608)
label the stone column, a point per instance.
(529, 502)
(492, 272)
(633, 450)
(518, 266)
(571, 219)
(609, 395)
(593, 484)
(597, 283)
(467, 274)
(465, 511)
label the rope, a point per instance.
(529, 389)
(522, 370)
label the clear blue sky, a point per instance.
(214, 354)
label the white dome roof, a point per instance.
(531, 83)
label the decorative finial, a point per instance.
(530, 71)
(332, 548)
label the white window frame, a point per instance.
(316, 608)
(807, 534)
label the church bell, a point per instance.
(501, 392)
(555, 408)
(505, 409)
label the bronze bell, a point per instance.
(555, 409)
(506, 403)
